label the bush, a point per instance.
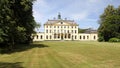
(100, 39)
(114, 40)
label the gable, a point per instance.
(61, 23)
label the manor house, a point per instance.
(59, 29)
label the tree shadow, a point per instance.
(24, 47)
(11, 65)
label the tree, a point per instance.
(109, 24)
(16, 22)
(81, 30)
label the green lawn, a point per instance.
(64, 54)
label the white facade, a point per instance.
(63, 30)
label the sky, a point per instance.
(86, 13)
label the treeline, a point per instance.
(109, 29)
(16, 22)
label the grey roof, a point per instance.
(52, 22)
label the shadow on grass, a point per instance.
(10, 65)
(23, 47)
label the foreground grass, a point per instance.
(64, 54)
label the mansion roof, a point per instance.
(60, 21)
(56, 22)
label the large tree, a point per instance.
(16, 22)
(109, 24)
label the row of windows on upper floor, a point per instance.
(61, 26)
(58, 36)
(62, 31)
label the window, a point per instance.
(75, 26)
(61, 22)
(64, 31)
(68, 31)
(50, 31)
(37, 36)
(64, 26)
(50, 36)
(58, 26)
(94, 37)
(46, 26)
(72, 37)
(83, 37)
(41, 37)
(46, 31)
(75, 37)
(80, 37)
(87, 37)
(54, 26)
(68, 35)
(65, 35)
(58, 35)
(46, 36)
(72, 26)
(55, 35)
(75, 31)
(50, 26)
(72, 31)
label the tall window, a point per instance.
(65, 35)
(75, 37)
(46, 36)
(46, 26)
(54, 35)
(68, 31)
(58, 35)
(87, 37)
(50, 37)
(80, 37)
(75, 31)
(37, 36)
(94, 37)
(46, 31)
(41, 37)
(75, 26)
(83, 37)
(64, 31)
(68, 35)
(50, 31)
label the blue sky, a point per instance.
(85, 12)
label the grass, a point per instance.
(64, 54)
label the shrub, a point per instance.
(100, 39)
(114, 40)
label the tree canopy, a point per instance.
(16, 22)
(109, 24)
